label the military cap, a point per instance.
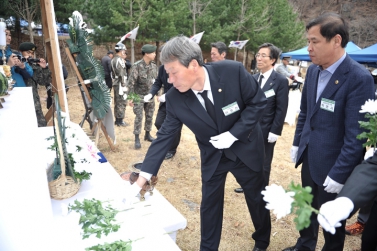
(27, 46)
(148, 48)
(110, 52)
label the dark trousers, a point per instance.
(369, 238)
(109, 81)
(268, 156)
(211, 209)
(308, 236)
(364, 213)
(160, 118)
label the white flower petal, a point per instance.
(370, 106)
(278, 200)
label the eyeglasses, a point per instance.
(261, 55)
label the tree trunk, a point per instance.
(31, 35)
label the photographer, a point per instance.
(41, 76)
(20, 71)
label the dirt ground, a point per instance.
(180, 179)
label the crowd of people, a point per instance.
(233, 114)
(28, 71)
(237, 119)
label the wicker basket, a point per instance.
(63, 187)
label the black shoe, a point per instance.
(148, 137)
(120, 122)
(291, 249)
(238, 190)
(169, 155)
(258, 249)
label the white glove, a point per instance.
(162, 98)
(332, 212)
(124, 96)
(147, 97)
(294, 150)
(223, 141)
(131, 192)
(369, 153)
(121, 91)
(331, 186)
(272, 137)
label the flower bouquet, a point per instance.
(66, 181)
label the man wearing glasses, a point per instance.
(275, 87)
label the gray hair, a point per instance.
(183, 49)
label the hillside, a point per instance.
(360, 14)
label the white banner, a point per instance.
(130, 35)
(197, 37)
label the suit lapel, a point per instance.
(196, 107)
(335, 82)
(218, 90)
(269, 83)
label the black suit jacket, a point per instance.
(276, 109)
(161, 80)
(361, 186)
(230, 83)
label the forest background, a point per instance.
(281, 22)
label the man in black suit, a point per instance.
(221, 103)
(275, 87)
(359, 190)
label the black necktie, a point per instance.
(209, 106)
(260, 81)
(211, 111)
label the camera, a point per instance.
(33, 60)
(29, 59)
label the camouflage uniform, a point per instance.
(119, 70)
(141, 78)
(41, 76)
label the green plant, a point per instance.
(370, 126)
(95, 218)
(135, 98)
(116, 245)
(301, 206)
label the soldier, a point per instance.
(142, 76)
(119, 70)
(41, 76)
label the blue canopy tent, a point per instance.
(368, 54)
(303, 54)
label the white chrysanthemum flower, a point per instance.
(370, 106)
(278, 200)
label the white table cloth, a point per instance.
(31, 220)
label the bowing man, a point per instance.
(221, 103)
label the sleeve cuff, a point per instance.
(147, 176)
(234, 138)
